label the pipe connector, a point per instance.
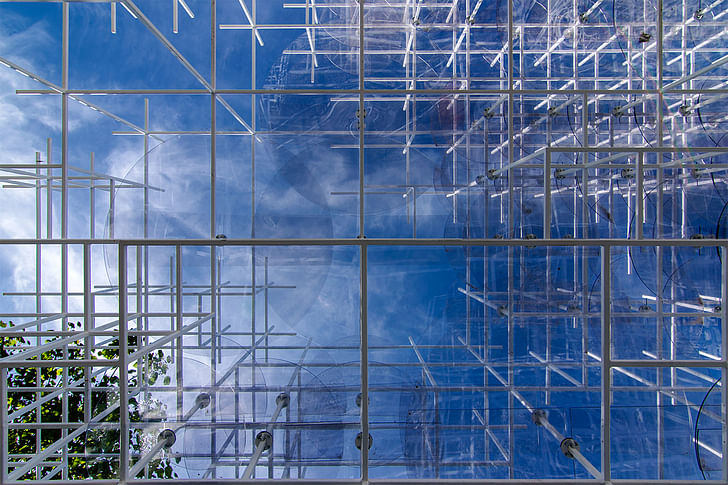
(283, 400)
(537, 415)
(203, 400)
(568, 444)
(265, 438)
(168, 436)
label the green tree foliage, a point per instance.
(95, 453)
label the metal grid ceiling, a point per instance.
(225, 222)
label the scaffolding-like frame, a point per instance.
(650, 168)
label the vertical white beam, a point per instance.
(178, 326)
(112, 209)
(87, 327)
(92, 199)
(64, 125)
(64, 221)
(123, 369)
(213, 223)
(547, 196)
(361, 114)
(4, 450)
(724, 351)
(640, 196)
(49, 191)
(606, 338)
(364, 357)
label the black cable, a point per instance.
(568, 118)
(696, 436)
(639, 126)
(616, 30)
(558, 191)
(591, 290)
(716, 143)
(576, 161)
(717, 230)
(629, 233)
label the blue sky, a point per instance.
(306, 183)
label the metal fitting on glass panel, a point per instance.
(567, 445)
(358, 400)
(168, 437)
(537, 415)
(265, 438)
(283, 400)
(357, 442)
(202, 400)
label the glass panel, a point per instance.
(358, 240)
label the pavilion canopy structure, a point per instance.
(364, 241)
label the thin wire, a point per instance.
(696, 436)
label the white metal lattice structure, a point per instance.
(493, 219)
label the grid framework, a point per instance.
(600, 172)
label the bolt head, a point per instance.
(568, 445)
(357, 441)
(168, 436)
(283, 399)
(203, 400)
(264, 437)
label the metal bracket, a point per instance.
(357, 441)
(264, 437)
(566, 446)
(168, 436)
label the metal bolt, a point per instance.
(264, 437)
(567, 444)
(503, 311)
(283, 399)
(168, 436)
(203, 400)
(357, 442)
(537, 415)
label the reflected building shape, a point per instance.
(364, 241)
